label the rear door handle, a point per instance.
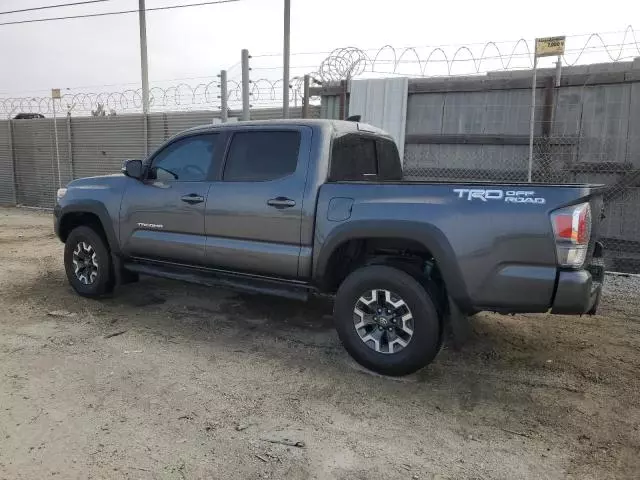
(192, 198)
(281, 202)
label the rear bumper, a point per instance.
(579, 291)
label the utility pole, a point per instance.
(285, 61)
(144, 64)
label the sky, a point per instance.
(192, 45)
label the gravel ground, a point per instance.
(622, 287)
(172, 381)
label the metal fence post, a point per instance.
(305, 97)
(55, 132)
(145, 129)
(343, 99)
(558, 70)
(245, 84)
(12, 159)
(224, 109)
(70, 147)
(533, 117)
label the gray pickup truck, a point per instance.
(295, 208)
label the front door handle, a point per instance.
(281, 202)
(192, 198)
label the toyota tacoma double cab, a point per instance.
(303, 207)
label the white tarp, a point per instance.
(382, 102)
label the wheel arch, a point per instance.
(426, 235)
(89, 212)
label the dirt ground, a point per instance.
(198, 383)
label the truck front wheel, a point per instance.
(387, 321)
(88, 263)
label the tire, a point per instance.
(84, 242)
(404, 353)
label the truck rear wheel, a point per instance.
(387, 321)
(88, 263)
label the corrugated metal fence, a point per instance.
(87, 146)
(7, 187)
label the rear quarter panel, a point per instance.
(493, 254)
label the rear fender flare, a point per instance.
(426, 234)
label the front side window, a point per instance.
(186, 160)
(262, 156)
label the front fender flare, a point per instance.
(96, 208)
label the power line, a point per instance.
(53, 6)
(170, 7)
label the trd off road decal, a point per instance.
(507, 196)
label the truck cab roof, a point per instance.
(339, 127)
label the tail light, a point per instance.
(572, 230)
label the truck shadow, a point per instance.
(496, 345)
(265, 321)
(176, 308)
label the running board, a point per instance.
(234, 281)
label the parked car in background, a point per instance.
(28, 116)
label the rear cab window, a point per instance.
(362, 157)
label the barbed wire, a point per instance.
(596, 36)
(180, 96)
(340, 64)
(348, 62)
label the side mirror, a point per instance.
(132, 168)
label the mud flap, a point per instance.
(458, 325)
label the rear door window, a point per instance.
(261, 156)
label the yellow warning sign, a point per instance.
(550, 46)
(55, 93)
